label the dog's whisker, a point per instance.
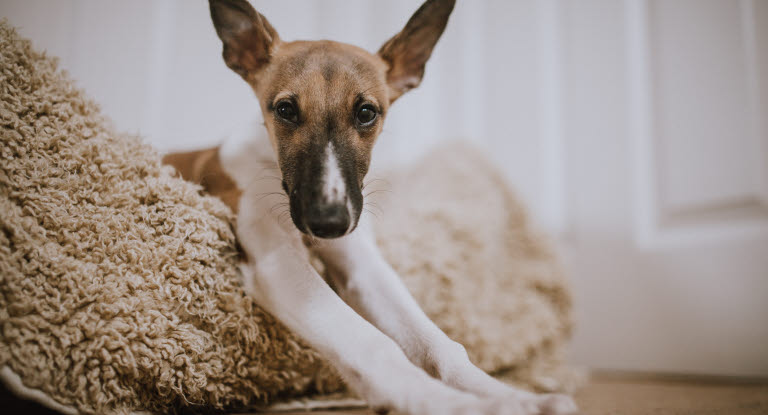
(369, 205)
(377, 191)
(277, 206)
(372, 203)
(372, 213)
(265, 195)
(264, 167)
(268, 177)
(265, 162)
(270, 194)
(282, 216)
(375, 180)
(261, 176)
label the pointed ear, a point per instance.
(408, 51)
(249, 40)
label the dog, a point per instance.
(323, 105)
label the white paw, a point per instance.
(488, 407)
(535, 405)
(551, 404)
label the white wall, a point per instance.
(634, 130)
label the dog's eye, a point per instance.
(366, 115)
(287, 111)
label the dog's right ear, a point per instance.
(249, 40)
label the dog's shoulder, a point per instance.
(204, 167)
(225, 170)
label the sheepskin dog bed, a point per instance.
(119, 290)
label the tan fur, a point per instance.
(204, 168)
(326, 77)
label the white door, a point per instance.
(666, 104)
(634, 130)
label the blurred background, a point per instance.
(635, 131)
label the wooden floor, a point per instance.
(668, 397)
(604, 395)
(611, 395)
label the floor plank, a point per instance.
(664, 397)
(654, 397)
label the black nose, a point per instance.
(329, 220)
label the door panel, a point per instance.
(708, 151)
(668, 207)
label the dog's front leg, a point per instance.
(364, 279)
(372, 364)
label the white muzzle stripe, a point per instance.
(334, 188)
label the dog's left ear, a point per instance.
(408, 51)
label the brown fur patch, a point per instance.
(204, 168)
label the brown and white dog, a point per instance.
(323, 105)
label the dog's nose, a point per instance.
(329, 220)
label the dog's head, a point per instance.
(324, 103)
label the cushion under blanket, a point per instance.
(119, 289)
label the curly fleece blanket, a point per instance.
(119, 289)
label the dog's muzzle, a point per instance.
(327, 220)
(319, 217)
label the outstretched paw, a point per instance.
(550, 404)
(553, 404)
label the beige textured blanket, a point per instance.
(119, 290)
